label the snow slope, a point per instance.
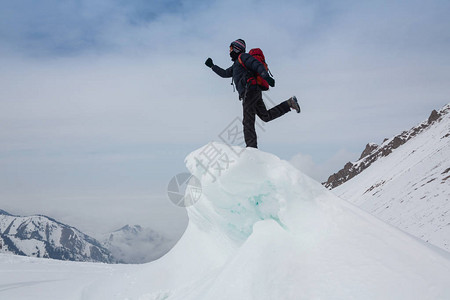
(25, 278)
(261, 230)
(410, 187)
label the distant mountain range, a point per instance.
(135, 244)
(405, 181)
(42, 236)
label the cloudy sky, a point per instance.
(101, 100)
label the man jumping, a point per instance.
(244, 71)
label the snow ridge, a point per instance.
(410, 187)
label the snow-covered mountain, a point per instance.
(41, 236)
(406, 180)
(136, 244)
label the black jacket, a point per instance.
(240, 74)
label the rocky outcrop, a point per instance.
(369, 149)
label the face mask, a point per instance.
(234, 55)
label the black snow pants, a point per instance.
(253, 105)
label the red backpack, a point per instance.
(259, 55)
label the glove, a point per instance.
(209, 62)
(270, 81)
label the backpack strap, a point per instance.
(252, 78)
(241, 62)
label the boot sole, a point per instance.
(296, 102)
